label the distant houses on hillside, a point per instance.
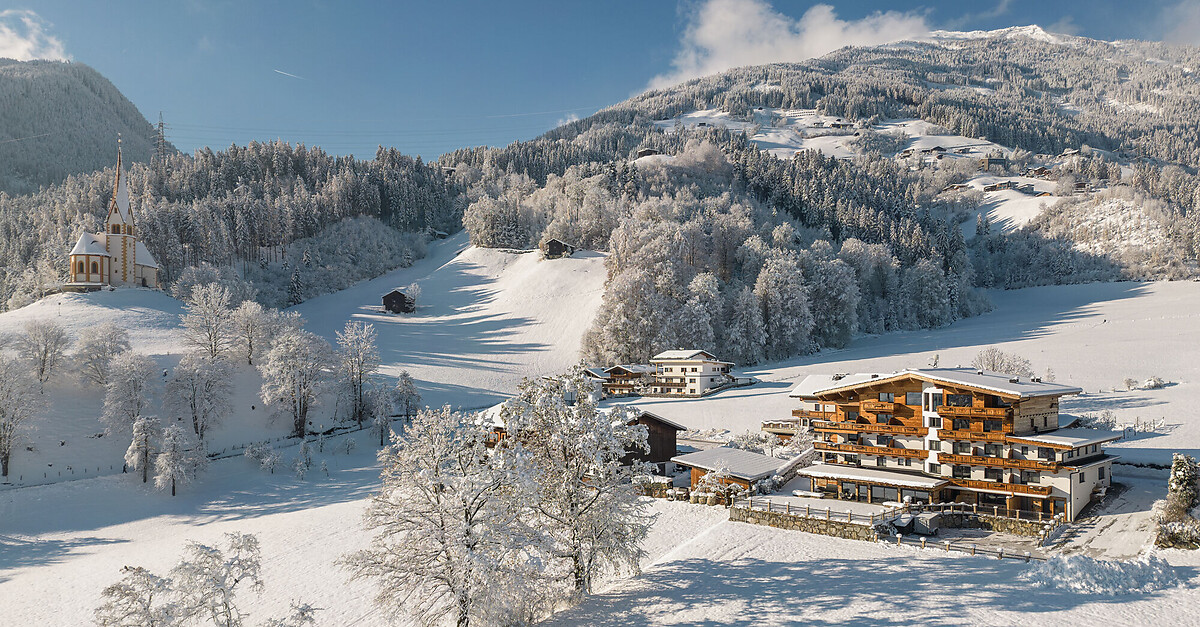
(396, 301)
(554, 248)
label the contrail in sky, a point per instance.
(289, 74)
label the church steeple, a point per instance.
(120, 218)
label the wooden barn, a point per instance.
(396, 301)
(646, 152)
(661, 435)
(741, 467)
(555, 248)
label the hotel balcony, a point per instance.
(979, 436)
(890, 451)
(1004, 413)
(998, 462)
(1014, 488)
(879, 406)
(867, 427)
(812, 415)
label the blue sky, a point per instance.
(428, 77)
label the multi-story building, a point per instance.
(951, 435)
(688, 373)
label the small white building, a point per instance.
(689, 373)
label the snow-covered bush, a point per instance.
(347, 446)
(1153, 383)
(995, 360)
(303, 460)
(1082, 574)
(1183, 534)
(1104, 420)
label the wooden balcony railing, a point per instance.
(867, 427)
(997, 462)
(1005, 413)
(785, 426)
(980, 436)
(879, 406)
(890, 451)
(1015, 488)
(812, 415)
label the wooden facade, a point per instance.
(660, 436)
(991, 437)
(555, 248)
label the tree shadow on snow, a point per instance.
(21, 553)
(878, 591)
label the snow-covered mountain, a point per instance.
(62, 118)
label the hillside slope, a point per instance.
(486, 319)
(65, 118)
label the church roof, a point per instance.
(142, 256)
(91, 244)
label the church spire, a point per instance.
(120, 201)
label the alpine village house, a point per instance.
(115, 257)
(948, 435)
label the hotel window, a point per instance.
(935, 400)
(851, 416)
(958, 400)
(992, 425)
(884, 440)
(935, 469)
(1081, 475)
(887, 397)
(962, 472)
(993, 474)
(912, 398)
(962, 424)
(992, 450)
(906, 461)
(1101, 473)
(935, 422)
(934, 445)
(1024, 450)
(883, 419)
(879, 461)
(962, 448)
(1045, 453)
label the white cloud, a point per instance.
(1183, 22)
(723, 34)
(24, 36)
(570, 117)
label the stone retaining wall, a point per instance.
(1029, 528)
(820, 526)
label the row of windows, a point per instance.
(79, 267)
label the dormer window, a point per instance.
(116, 229)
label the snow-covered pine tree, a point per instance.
(147, 430)
(783, 297)
(96, 348)
(452, 526)
(208, 325)
(357, 360)
(295, 292)
(1182, 483)
(585, 500)
(43, 344)
(745, 336)
(127, 394)
(19, 403)
(294, 372)
(407, 397)
(179, 459)
(199, 392)
(140, 598)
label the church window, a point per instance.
(116, 229)
(95, 268)
(80, 267)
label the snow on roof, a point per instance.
(669, 423)
(142, 256)
(1073, 438)
(685, 354)
(740, 464)
(595, 373)
(837, 471)
(90, 244)
(1019, 387)
(632, 368)
(813, 383)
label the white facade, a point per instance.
(689, 373)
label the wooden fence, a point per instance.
(827, 513)
(970, 549)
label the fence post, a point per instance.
(1018, 514)
(849, 515)
(899, 537)
(806, 510)
(922, 542)
(995, 510)
(826, 513)
(1000, 553)
(972, 549)
(787, 508)
(1026, 557)
(947, 543)
(768, 506)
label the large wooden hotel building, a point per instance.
(948, 435)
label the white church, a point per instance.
(115, 257)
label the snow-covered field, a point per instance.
(487, 319)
